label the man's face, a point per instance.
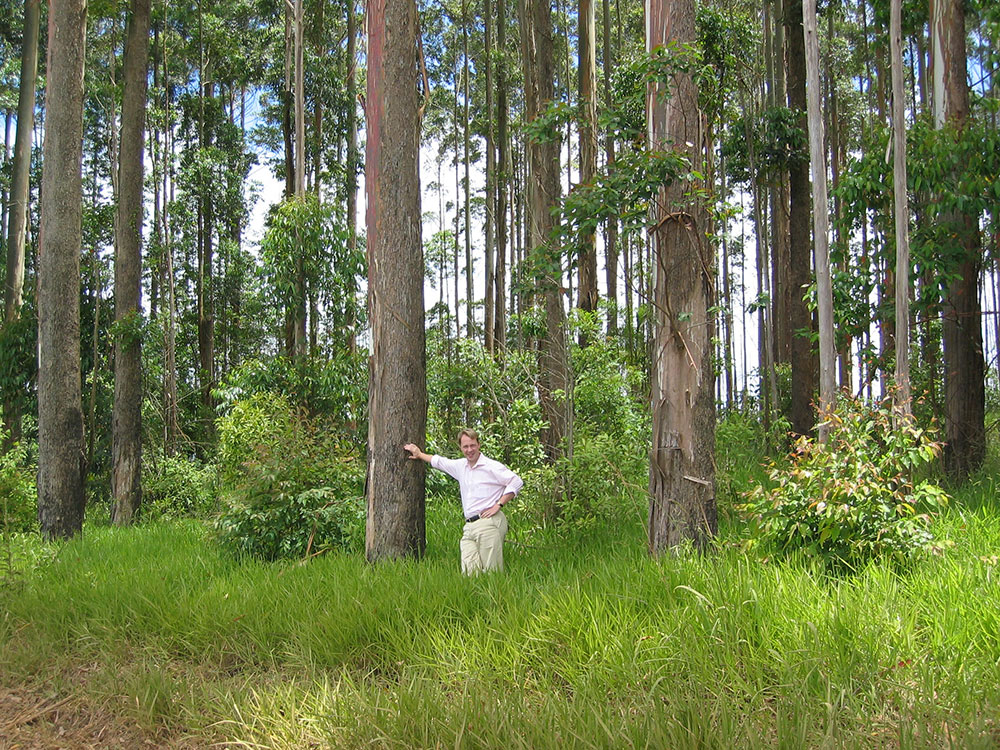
(470, 448)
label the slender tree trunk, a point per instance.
(21, 166)
(126, 428)
(681, 473)
(781, 262)
(352, 162)
(397, 385)
(489, 311)
(301, 292)
(470, 319)
(171, 418)
(458, 209)
(837, 154)
(20, 190)
(800, 318)
(821, 227)
(611, 230)
(206, 292)
(318, 105)
(95, 349)
(588, 295)
(502, 183)
(60, 413)
(728, 356)
(8, 121)
(901, 205)
(288, 100)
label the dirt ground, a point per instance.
(32, 722)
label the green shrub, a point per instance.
(603, 399)
(175, 486)
(17, 490)
(858, 497)
(605, 482)
(741, 448)
(336, 387)
(289, 487)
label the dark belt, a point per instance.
(473, 519)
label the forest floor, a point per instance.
(32, 720)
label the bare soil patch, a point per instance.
(29, 721)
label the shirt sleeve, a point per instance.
(511, 481)
(447, 465)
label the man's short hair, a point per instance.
(469, 433)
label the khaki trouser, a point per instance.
(482, 544)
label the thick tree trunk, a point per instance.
(397, 386)
(681, 474)
(60, 413)
(961, 330)
(126, 427)
(543, 194)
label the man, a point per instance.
(486, 486)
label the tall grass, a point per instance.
(590, 644)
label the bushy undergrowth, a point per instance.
(291, 488)
(17, 490)
(177, 486)
(861, 496)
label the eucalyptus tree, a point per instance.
(351, 167)
(821, 239)
(397, 372)
(21, 164)
(800, 319)
(126, 439)
(503, 179)
(587, 97)
(611, 225)
(60, 414)
(16, 209)
(965, 402)
(681, 473)
(542, 148)
(901, 212)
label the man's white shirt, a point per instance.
(482, 484)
